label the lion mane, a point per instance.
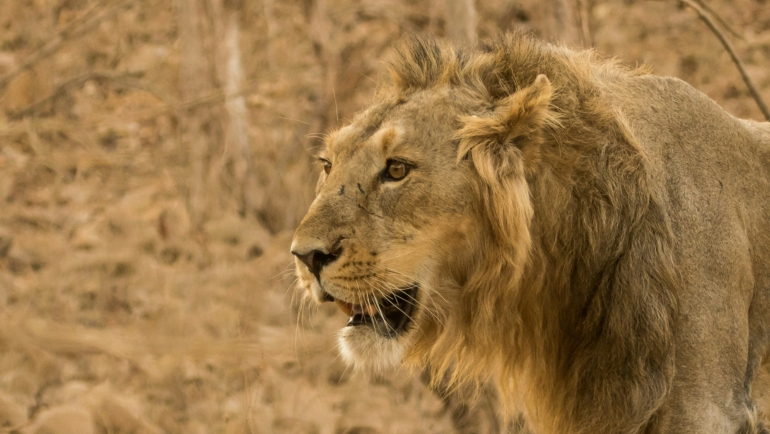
(621, 279)
(578, 296)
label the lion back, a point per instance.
(711, 173)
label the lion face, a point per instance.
(388, 234)
(416, 193)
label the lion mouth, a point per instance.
(389, 316)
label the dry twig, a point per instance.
(125, 79)
(706, 18)
(722, 22)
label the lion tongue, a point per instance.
(351, 309)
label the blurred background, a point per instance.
(155, 157)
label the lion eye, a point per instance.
(327, 167)
(396, 170)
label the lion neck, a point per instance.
(518, 329)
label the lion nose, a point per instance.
(317, 259)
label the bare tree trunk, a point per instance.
(320, 29)
(194, 80)
(209, 34)
(568, 18)
(584, 9)
(271, 32)
(460, 16)
(237, 140)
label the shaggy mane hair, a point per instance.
(569, 308)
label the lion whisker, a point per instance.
(300, 321)
(383, 294)
(409, 280)
(382, 315)
(286, 270)
(402, 253)
(377, 306)
(416, 302)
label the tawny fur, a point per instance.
(577, 267)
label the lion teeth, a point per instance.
(388, 316)
(352, 310)
(345, 307)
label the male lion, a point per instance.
(592, 240)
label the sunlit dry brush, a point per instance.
(123, 308)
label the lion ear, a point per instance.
(506, 142)
(503, 147)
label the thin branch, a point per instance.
(126, 79)
(72, 31)
(216, 97)
(706, 18)
(721, 21)
(585, 28)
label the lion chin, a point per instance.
(379, 331)
(365, 349)
(591, 240)
(377, 336)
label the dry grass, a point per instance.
(154, 159)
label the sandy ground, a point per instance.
(145, 278)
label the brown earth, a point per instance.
(150, 183)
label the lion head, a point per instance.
(405, 209)
(474, 220)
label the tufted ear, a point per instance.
(504, 147)
(506, 142)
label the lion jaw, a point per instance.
(362, 348)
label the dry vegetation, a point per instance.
(154, 159)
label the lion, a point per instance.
(589, 238)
